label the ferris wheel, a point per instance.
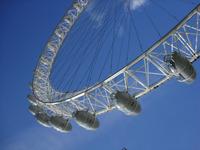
(56, 101)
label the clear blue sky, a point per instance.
(169, 121)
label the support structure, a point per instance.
(144, 74)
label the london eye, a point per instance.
(105, 55)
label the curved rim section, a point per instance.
(46, 94)
(41, 85)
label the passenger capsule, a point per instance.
(86, 120)
(34, 109)
(182, 66)
(60, 124)
(126, 103)
(43, 119)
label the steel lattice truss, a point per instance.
(141, 76)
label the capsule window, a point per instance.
(89, 120)
(132, 103)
